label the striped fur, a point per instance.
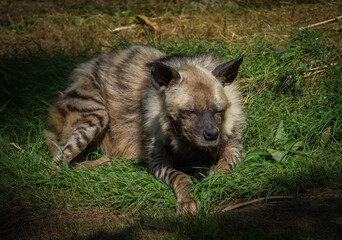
(176, 111)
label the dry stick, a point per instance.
(240, 205)
(123, 28)
(17, 146)
(317, 70)
(320, 68)
(314, 73)
(321, 23)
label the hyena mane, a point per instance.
(177, 111)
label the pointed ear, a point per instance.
(162, 75)
(227, 72)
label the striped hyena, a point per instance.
(177, 111)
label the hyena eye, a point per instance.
(189, 112)
(219, 113)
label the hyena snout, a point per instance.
(210, 133)
(210, 130)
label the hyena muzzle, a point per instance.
(177, 111)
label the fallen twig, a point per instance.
(142, 19)
(317, 70)
(123, 28)
(240, 205)
(322, 23)
(17, 146)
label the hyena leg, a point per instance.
(92, 164)
(85, 129)
(181, 184)
(230, 156)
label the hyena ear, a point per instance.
(163, 75)
(227, 72)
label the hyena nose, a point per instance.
(210, 134)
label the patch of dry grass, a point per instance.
(54, 28)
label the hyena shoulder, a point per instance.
(108, 91)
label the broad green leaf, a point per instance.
(297, 85)
(256, 154)
(325, 137)
(276, 155)
(297, 145)
(288, 54)
(280, 135)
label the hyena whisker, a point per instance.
(177, 111)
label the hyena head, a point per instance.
(194, 99)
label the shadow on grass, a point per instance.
(28, 84)
(26, 75)
(315, 216)
(309, 218)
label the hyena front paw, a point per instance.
(54, 169)
(220, 169)
(188, 204)
(59, 158)
(90, 165)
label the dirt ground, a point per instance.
(310, 216)
(48, 26)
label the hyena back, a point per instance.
(176, 111)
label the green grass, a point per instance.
(292, 138)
